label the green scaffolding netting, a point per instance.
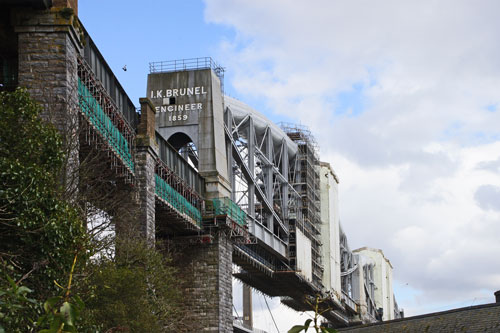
(104, 125)
(225, 206)
(166, 192)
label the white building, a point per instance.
(380, 277)
(330, 230)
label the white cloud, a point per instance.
(488, 197)
(417, 160)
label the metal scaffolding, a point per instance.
(107, 129)
(305, 179)
(259, 159)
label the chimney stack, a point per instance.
(497, 296)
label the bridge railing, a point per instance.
(103, 124)
(183, 65)
(177, 164)
(178, 201)
(225, 206)
(104, 116)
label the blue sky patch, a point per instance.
(492, 107)
(351, 103)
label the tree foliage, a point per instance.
(313, 322)
(40, 232)
(46, 223)
(139, 277)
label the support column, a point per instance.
(251, 168)
(229, 154)
(48, 45)
(284, 186)
(146, 155)
(268, 172)
(358, 292)
(206, 270)
(247, 307)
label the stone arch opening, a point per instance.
(186, 147)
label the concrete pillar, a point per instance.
(146, 154)
(206, 270)
(247, 307)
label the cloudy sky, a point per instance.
(403, 97)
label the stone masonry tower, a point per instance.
(189, 108)
(189, 116)
(48, 43)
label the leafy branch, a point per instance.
(59, 317)
(315, 320)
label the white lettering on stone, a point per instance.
(176, 92)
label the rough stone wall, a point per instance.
(145, 178)
(48, 46)
(206, 270)
(482, 318)
(146, 153)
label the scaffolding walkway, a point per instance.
(180, 206)
(114, 135)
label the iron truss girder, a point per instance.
(260, 194)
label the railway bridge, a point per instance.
(211, 174)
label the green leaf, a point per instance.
(49, 330)
(328, 330)
(307, 323)
(70, 329)
(12, 283)
(79, 302)
(56, 322)
(23, 290)
(297, 329)
(49, 305)
(68, 312)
